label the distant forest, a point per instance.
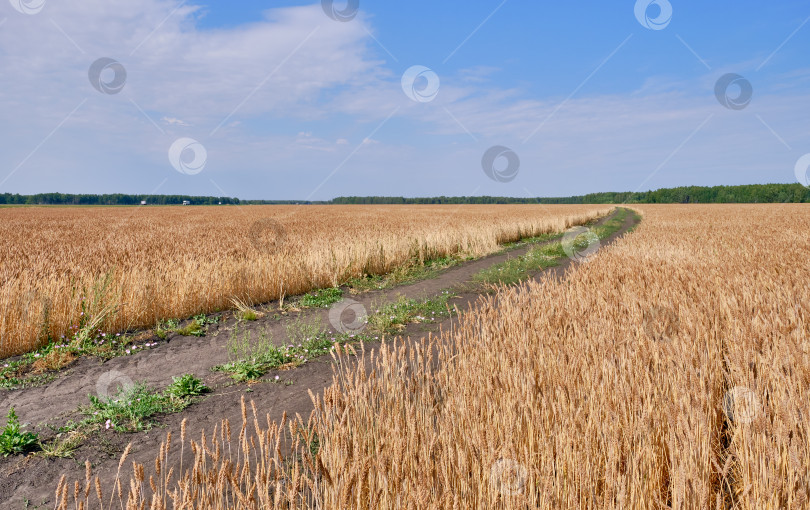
(750, 193)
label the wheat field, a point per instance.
(669, 371)
(134, 266)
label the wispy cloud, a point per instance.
(297, 95)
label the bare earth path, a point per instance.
(33, 478)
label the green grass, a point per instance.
(542, 238)
(300, 330)
(13, 441)
(63, 445)
(612, 225)
(9, 381)
(519, 268)
(87, 340)
(393, 317)
(130, 410)
(197, 326)
(191, 329)
(18, 373)
(307, 339)
(415, 271)
(409, 273)
(186, 386)
(248, 315)
(250, 360)
(133, 409)
(321, 298)
(163, 328)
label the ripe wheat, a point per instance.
(669, 371)
(130, 267)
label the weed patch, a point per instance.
(321, 298)
(132, 409)
(13, 441)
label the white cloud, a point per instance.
(172, 121)
(279, 104)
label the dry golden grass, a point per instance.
(54, 360)
(670, 371)
(135, 266)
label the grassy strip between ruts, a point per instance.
(307, 339)
(417, 271)
(131, 409)
(549, 255)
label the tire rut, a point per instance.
(34, 478)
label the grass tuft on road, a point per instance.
(250, 359)
(549, 255)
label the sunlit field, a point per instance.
(65, 269)
(669, 371)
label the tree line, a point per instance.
(749, 193)
(112, 199)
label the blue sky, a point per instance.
(280, 101)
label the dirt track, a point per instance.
(33, 478)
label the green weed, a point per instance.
(321, 298)
(13, 441)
